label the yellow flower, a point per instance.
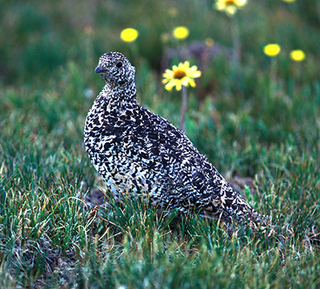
(209, 42)
(129, 35)
(272, 49)
(297, 55)
(88, 30)
(180, 75)
(165, 37)
(289, 1)
(229, 6)
(180, 32)
(173, 11)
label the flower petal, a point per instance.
(178, 86)
(192, 83)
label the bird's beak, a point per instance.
(99, 69)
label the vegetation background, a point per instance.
(259, 122)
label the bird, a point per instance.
(141, 154)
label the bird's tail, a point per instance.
(235, 211)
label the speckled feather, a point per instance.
(140, 153)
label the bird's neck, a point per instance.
(119, 96)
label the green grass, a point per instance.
(249, 123)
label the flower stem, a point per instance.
(183, 107)
(236, 42)
(273, 77)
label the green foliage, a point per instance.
(258, 120)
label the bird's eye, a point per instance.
(119, 64)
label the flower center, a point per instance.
(230, 2)
(179, 74)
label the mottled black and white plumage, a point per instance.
(138, 152)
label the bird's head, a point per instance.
(115, 68)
